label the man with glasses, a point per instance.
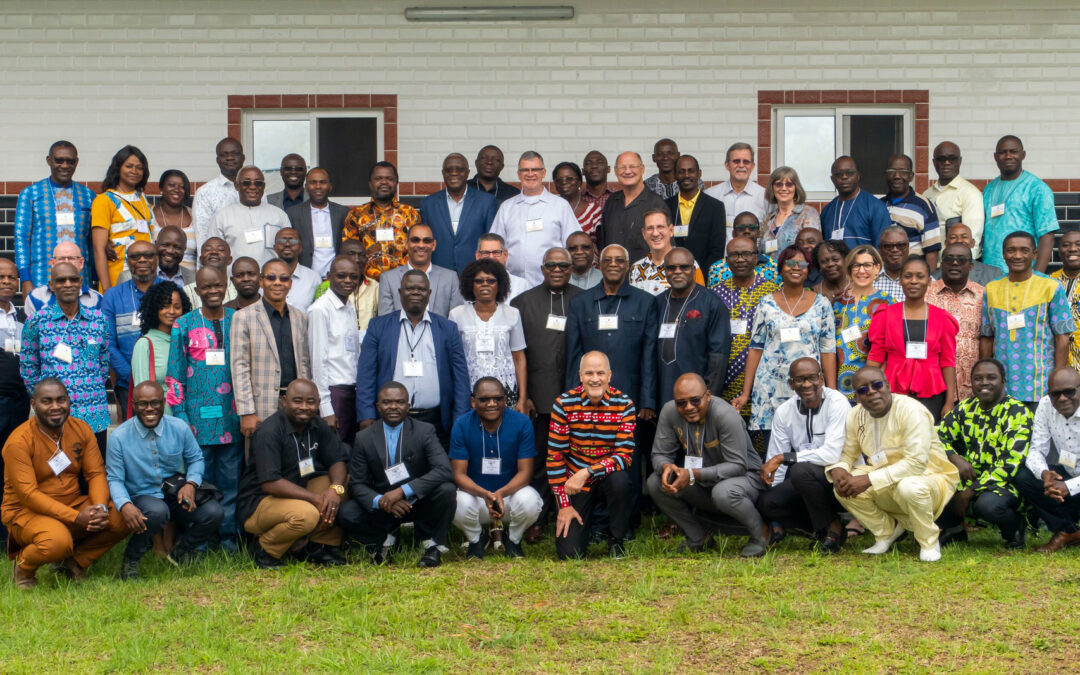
(491, 245)
(544, 312)
(908, 480)
(248, 224)
(457, 215)
(50, 212)
(956, 199)
(1069, 276)
(532, 222)
(42, 296)
(893, 245)
(739, 193)
(293, 171)
(912, 211)
(171, 243)
(382, 224)
(981, 273)
(219, 192)
(807, 436)
(1017, 201)
(1026, 322)
(1052, 489)
(624, 212)
(120, 305)
(957, 294)
(718, 475)
(649, 273)
(445, 294)
(287, 246)
(748, 226)
(853, 215)
(582, 252)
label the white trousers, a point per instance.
(521, 510)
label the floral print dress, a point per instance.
(198, 389)
(852, 313)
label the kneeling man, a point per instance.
(492, 452)
(908, 481)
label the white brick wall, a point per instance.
(104, 73)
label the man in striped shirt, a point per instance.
(590, 446)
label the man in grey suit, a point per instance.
(319, 222)
(269, 348)
(445, 294)
(293, 170)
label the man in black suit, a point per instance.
(399, 472)
(319, 222)
(700, 220)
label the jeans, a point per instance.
(223, 464)
(199, 525)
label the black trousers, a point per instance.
(539, 479)
(1058, 516)
(433, 416)
(616, 491)
(431, 514)
(804, 501)
(997, 507)
(934, 404)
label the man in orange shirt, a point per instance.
(383, 223)
(49, 462)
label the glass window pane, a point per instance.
(810, 148)
(348, 149)
(273, 139)
(871, 140)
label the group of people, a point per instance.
(291, 374)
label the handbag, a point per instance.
(206, 492)
(153, 376)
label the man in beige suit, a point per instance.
(269, 348)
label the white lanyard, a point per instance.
(667, 307)
(297, 444)
(562, 304)
(700, 428)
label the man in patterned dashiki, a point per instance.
(383, 223)
(1068, 276)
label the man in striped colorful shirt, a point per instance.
(590, 446)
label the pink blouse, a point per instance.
(918, 377)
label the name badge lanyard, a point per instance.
(601, 312)
(397, 452)
(412, 350)
(136, 315)
(926, 329)
(678, 320)
(562, 304)
(299, 459)
(841, 221)
(483, 445)
(215, 326)
(693, 461)
(59, 450)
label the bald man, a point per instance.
(293, 172)
(287, 246)
(248, 225)
(624, 212)
(956, 199)
(319, 222)
(41, 296)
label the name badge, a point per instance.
(211, 412)
(65, 217)
(1015, 321)
(997, 210)
(485, 342)
(491, 466)
(397, 473)
(609, 322)
(59, 462)
(136, 319)
(142, 226)
(324, 242)
(253, 236)
(791, 334)
(384, 234)
(413, 369)
(879, 458)
(307, 466)
(915, 350)
(682, 230)
(1067, 459)
(667, 330)
(352, 342)
(692, 462)
(12, 345)
(1074, 485)
(837, 234)
(63, 352)
(534, 225)
(851, 334)
(738, 326)
(215, 357)
(556, 322)
(771, 246)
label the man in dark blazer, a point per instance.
(324, 244)
(445, 294)
(293, 171)
(457, 215)
(398, 472)
(705, 231)
(423, 351)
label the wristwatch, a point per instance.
(339, 489)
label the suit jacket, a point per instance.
(455, 251)
(278, 198)
(708, 229)
(702, 342)
(300, 217)
(379, 354)
(445, 291)
(256, 368)
(420, 450)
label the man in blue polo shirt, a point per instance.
(853, 215)
(492, 451)
(121, 309)
(911, 211)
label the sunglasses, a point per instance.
(65, 160)
(694, 401)
(288, 241)
(557, 265)
(485, 281)
(679, 268)
(844, 174)
(805, 379)
(792, 264)
(277, 277)
(421, 240)
(252, 183)
(956, 259)
(141, 256)
(484, 400)
(865, 389)
(784, 184)
(1067, 393)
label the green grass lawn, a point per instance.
(980, 609)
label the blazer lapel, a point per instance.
(338, 213)
(698, 206)
(267, 330)
(380, 445)
(466, 213)
(297, 331)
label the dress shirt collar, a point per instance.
(225, 182)
(543, 196)
(145, 431)
(13, 312)
(270, 311)
(954, 184)
(405, 317)
(316, 209)
(55, 312)
(689, 202)
(409, 266)
(453, 201)
(334, 300)
(727, 189)
(970, 288)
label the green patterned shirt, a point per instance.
(995, 441)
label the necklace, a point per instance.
(161, 207)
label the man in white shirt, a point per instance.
(335, 348)
(1052, 489)
(492, 245)
(304, 279)
(249, 225)
(445, 293)
(738, 192)
(807, 436)
(533, 221)
(218, 192)
(957, 200)
(319, 222)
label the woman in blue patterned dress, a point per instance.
(853, 310)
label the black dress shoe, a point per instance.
(617, 549)
(129, 570)
(431, 558)
(686, 547)
(1017, 541)
(264, 560)
(475, 550)
(513, 550)
(325, 555)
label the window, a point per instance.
(808, 139)
(346, 143)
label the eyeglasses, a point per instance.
(148, 255)
(694, 401)
(557, 265)
(784, 184)
(532, 170)
(741, 162)
(277, 277)
(805, 379)
(71, 161)
(899, 172)
(1067, 393)
(863, 265)
(68, 258)
(946, 159)
(485, 400)
(421, 240)
(679, 268)
(793, 264)
(844, 173)
(156, 403)
(742, 255)
(865, 389)
(252, 183)
(485, 281)
(629, 167)
(893, 247)
(616, 261)
(955, 259)
(490, 254)
(288, 241)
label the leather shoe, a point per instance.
(475, 550)
(512, 549)
(24, 580)
(667, 531)
(73, 570)
(381, 556)
(264, 560)
(129, 570)
(325, 555)
(431, 558)
(533, 534)
(1059, 541)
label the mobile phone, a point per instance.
(672, 477)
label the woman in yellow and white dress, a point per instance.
(120, 215)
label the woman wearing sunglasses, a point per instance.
(787, 211)
(792, 323)
(854, 310)
(916, 343)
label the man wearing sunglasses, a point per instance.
(981, 273)
(445, 294)
(853, 215)
(1052, 489)
(120, 305)
(955, 198)
(42, 297)
(287, 246)
(248, 224)
(911, 211)
(457, 214)
(907, 481)
(719, 473)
